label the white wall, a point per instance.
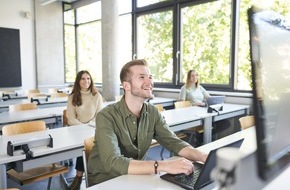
(12, 15)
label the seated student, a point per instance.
(124, 131)
(193, 91)
(83, 104)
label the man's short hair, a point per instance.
(125, 74)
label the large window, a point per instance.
(174, 36)
(205, 41)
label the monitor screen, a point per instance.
(270, 59)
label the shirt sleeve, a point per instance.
(71, 113)
(204, 92)
(166, 137)
(109, 151)
(182, 94)
(99, 106)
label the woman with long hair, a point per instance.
(83, 104)
(193, 91)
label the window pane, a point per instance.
(90, 49)
(89, 13)
(142, 3)
(125, 39)
(124, 6)
(244, 65)
(69, 17)
(154, 44)
(205, 41)
(70, 56)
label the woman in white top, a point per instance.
(193, 91)
(82, 107)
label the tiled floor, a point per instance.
(57, 184)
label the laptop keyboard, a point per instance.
(191, 178)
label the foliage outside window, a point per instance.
(155, 44)
(205, 41)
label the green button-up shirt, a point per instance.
(121, 136)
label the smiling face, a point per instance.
(193, 77)
(140, 83)
(85, 82)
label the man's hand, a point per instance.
(176, 166)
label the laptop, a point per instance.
(215, 103)
(213, 100)
(201, 175)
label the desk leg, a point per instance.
(207, 135)
(3, 177)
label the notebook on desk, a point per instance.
(201, 175)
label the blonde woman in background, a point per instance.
(192, 91)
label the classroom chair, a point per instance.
(247, 121)
(88, 145)
(35, 174)
(118, 97)
(58, 95)
(27, 92)
(52, 90)
(22, 107)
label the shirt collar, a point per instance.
(125, 110)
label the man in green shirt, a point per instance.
(124, 132)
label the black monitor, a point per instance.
(270, 60)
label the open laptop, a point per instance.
(215, 103)
(213, 100)
(201, 175)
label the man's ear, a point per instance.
(126, 85)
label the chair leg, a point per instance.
(161, 153)
(49, 183)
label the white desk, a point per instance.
(49, 115)
(184, 118)
(52, 102)
(68, 142)
(145, 182)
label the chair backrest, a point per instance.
(58, 95)
(64, 118)
(21, 107)
(159, 107)
(27, 92)
(118, 98)
(34, 95)
(247, 121)
(182, 104)
(88, 145)
(23, 127)
(52, 90)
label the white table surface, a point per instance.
(29, 115)
(64, 138)
(183, 118)
(4, 105)
(68, 142)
